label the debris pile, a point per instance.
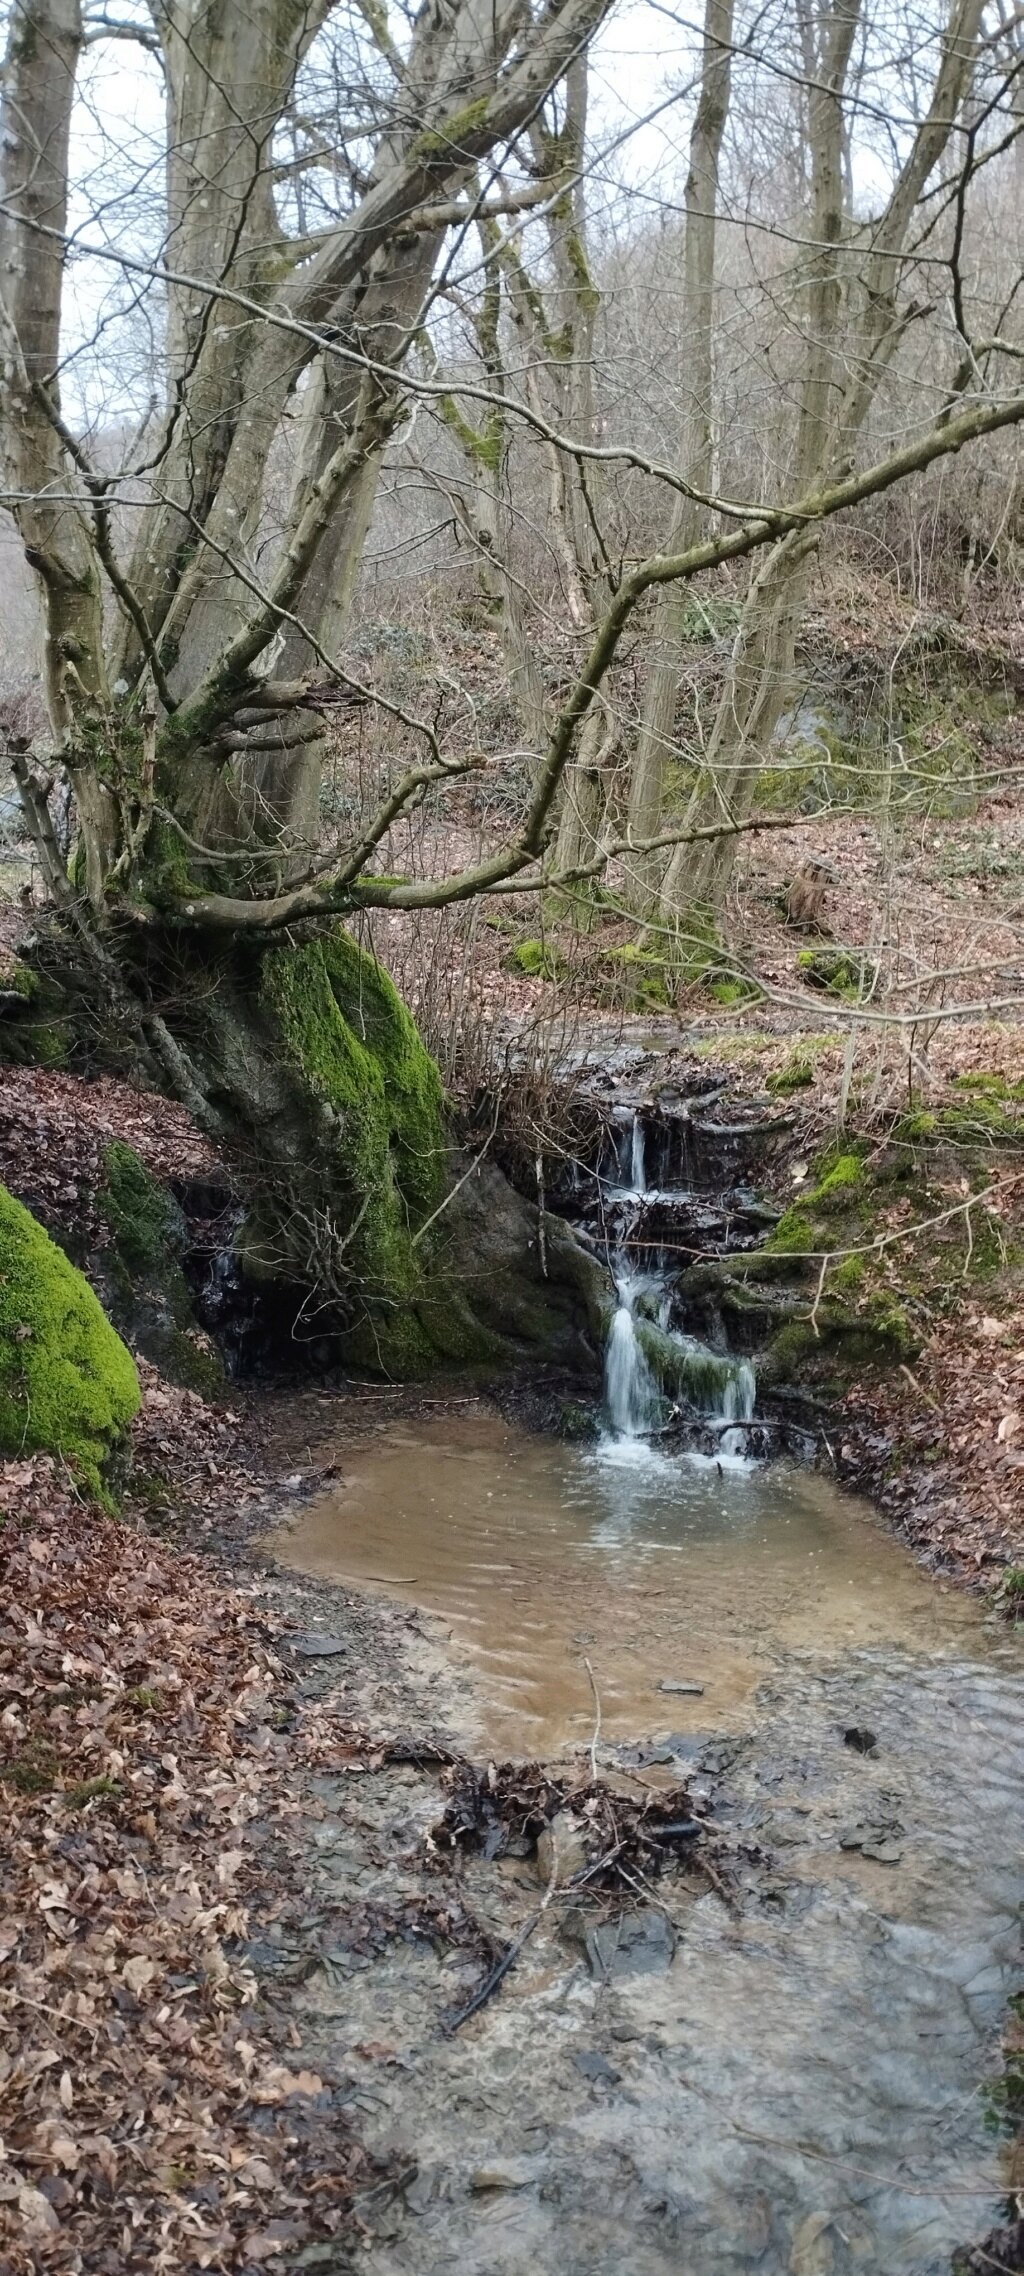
(596, 1839)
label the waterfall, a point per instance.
(739, 1393)
(662, 1373)
(638, 1171)
(632, 1396)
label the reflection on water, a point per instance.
(691, 1567)
(803, 2089)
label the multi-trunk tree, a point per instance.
(196, 600)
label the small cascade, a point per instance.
(637, 1165)
(632, 1397)
(665, 1380)
(739, 1394)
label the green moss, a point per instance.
(90, 1790)
(146, 1288)
(634, 977)
(1011, 1590)
(792, 1236)
(34, 1036)
(68, 1387)
(916, 1127)
(538, 959)
(447, 139)
(168, 870)
(34, 1771)
(836, 1186)
(838, 971)
(789, 1347)
(796, 1075)
(847, 1277)
(731, 990)
(352, 1044)
(885, 1318)
(994, 1086)
(983, 1121)
(136, 1208)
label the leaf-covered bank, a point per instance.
(151, 2113)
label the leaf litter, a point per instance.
(150, 2116)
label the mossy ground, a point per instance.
(68, 1386)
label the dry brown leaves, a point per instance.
(148, 2120)
(197, 1461)
(53, 1132)
(956, 1420)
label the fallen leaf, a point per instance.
(137, 1973)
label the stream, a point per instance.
(798, 2085)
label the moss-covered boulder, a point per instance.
(367, 1235)
(67, 1385)
(140, 1276)
(885, 1240)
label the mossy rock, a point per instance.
(992, 1086)
(32, 1031)
(141, 1277)
(68, 1387)
(635, 979)
(731, 988)
(837, 972)
(538, 959)
(982, 1121)
(354, 1055)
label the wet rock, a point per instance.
(638, 1944)
(561, 1851)
(506, 2173)
(595, 2066)
(875, 1840)
(320, 1647)
(680, 1684)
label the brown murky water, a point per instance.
(801, 2089)
(540, 1556)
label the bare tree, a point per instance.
(696, 442)
(853, 330)
(322, 174)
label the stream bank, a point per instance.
(787, 2071)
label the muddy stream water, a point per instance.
(799, 2086)
(796, 2081)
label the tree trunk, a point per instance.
(656, 743)
(838, 391)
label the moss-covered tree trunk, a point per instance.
(331, 1110)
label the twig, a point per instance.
(597, 1723)
(919, 1388)
(487, 1989)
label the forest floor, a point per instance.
(207, 1808)
(204, 1816)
